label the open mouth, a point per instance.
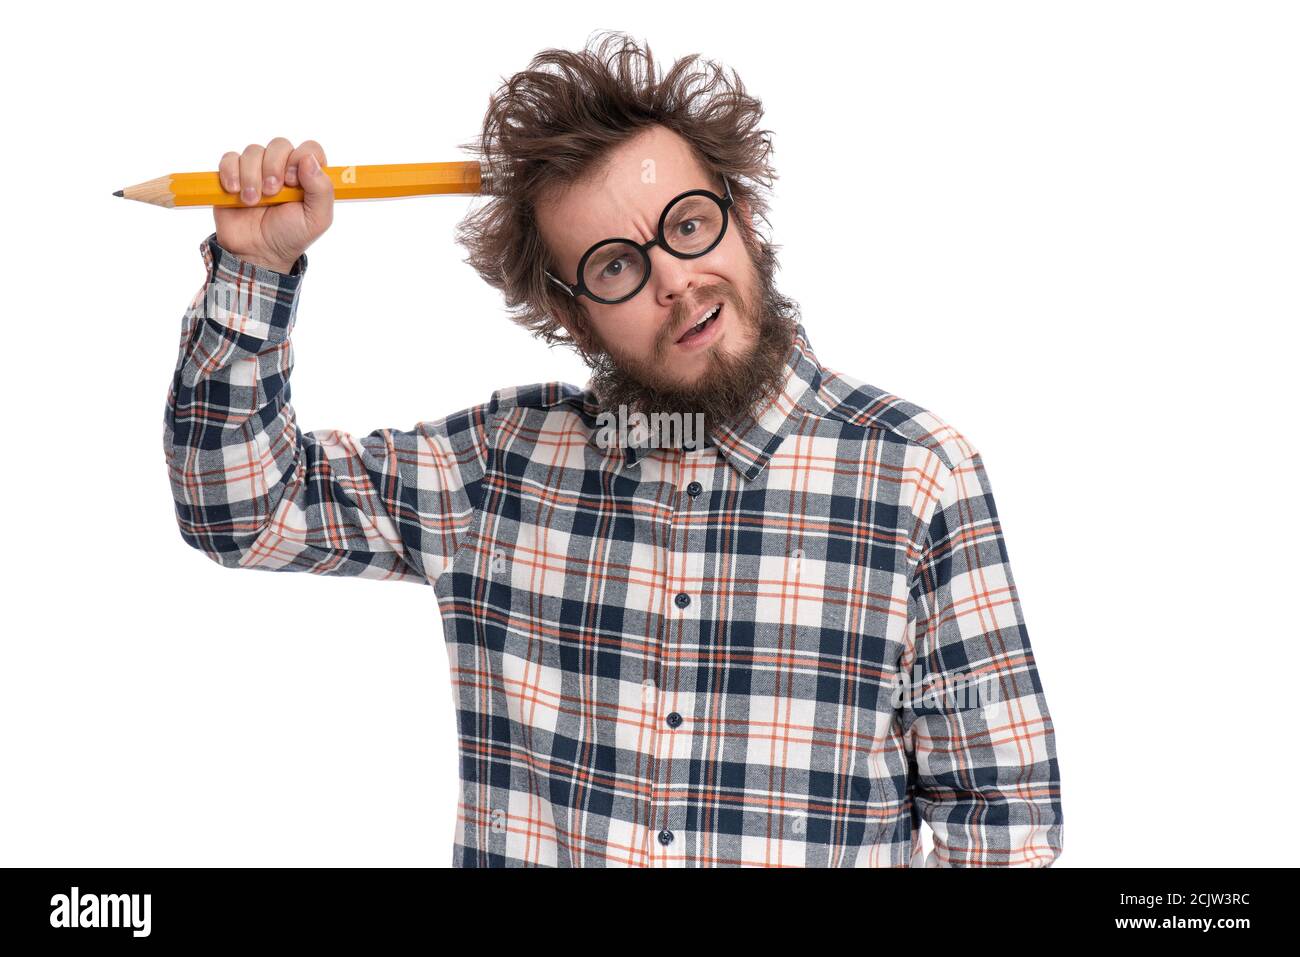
(701, 327)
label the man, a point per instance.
(782, 643)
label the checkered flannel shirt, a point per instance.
(661, 657)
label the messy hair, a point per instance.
(553, 124)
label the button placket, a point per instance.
(676, 747)
(696, 466)
(680, 647)
(662, 471)
(689, 591)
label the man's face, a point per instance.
(651, 354)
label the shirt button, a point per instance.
(682, 599)
(694, 489)
(674, 720)
(665, 837)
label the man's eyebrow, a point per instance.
(606, 253)
(688, 203)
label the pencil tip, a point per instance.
(118, 193)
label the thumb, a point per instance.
(318, 193)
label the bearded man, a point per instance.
(783, 638)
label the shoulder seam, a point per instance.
(933, 446)
(536, 395)
(491, 415)
(845, 412)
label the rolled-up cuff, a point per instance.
(248, 299)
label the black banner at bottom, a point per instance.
(377, 907)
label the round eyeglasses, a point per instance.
(615, 270)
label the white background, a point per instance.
(1071, 230)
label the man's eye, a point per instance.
(693, 223)
(610, 272)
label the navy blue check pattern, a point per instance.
(661, 658)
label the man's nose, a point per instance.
(672, 278)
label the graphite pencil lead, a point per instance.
(118, 193)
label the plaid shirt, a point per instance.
(661, 657)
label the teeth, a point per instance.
(708, 315)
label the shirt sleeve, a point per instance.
(975, 722)
(252, 490)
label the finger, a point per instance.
(274, 161)
(228, 172)
(318, 194)
(295, 158)
(250, 174)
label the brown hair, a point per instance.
(553, 124)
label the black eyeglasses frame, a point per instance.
(575, 290)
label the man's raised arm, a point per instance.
(251, 489)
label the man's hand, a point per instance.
(274, 236)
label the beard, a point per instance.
(731, 384)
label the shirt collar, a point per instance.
(749, 442)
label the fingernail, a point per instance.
(270, 185)
(230, 184)
(310, 166)
(291, 175)
(249, 195)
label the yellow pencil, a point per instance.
(350, 182)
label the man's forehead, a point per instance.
(624, 196)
